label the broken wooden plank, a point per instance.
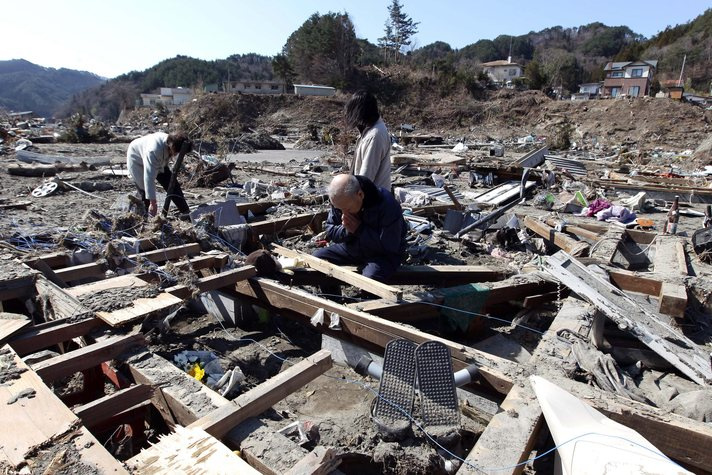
(61, 304)
(43, 336)
(11, 323)
(259, 399)
(110, 405)
(122, 281)
(670, 266)
(141, 308)
(575, 230)
(214, 282)
(276, 226)
(352, 278)
(374, 330)
(37, 417)
(649, 328)
(634, 281)
(509, 437)
(190, 451)
(558, 239)
(87, 357)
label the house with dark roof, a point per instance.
(630, 78)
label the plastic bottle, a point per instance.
(673, 217)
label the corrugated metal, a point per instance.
(575, 167)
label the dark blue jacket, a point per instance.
(383, 230)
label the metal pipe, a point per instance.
(367, 367)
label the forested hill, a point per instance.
(27, 86)
(325, 50)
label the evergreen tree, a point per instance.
(283, 70)
(399, 29)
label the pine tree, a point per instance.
(399, 29)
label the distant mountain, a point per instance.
(27, 86)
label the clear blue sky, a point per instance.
(109, 37)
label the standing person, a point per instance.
(147, 161)
(372, 157)
(365, 226)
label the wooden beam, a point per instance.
(84, 358)
(41, 337)
(276, 226)
(575, 230)
(509, 437)
(259, 399)
(670, 266)
(320, 461)
(110, 405)
(352, 278)
(634, 281)
(97, 269)
(141, 308)
(377, 331)
(214, 282)
(21, 287)
(558, 239)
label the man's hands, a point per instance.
(350, 222)
(153, 208)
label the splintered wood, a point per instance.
(190, 451)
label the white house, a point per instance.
(256, 87)
(502, 71)
(310, 90)
(587, 91)
(168, 96)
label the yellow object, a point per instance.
(197, 372)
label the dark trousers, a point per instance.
(378, 268)
(164, 179)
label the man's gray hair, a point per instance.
(343, 187)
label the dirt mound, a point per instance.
(703, 154)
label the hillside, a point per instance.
(555, 56)
(27, 86)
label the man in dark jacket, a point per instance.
(365, 226)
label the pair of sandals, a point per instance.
(429, 368)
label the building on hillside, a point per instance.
(589, 90)
(311, 90)
(672, 88)
(245, 86)
(168, 96)
(629, 78)
(502, 71)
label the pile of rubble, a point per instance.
(533, 281)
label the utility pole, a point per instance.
(679, 81)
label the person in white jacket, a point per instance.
(147, 161)
(372, 157)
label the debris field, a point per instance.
(134, 345)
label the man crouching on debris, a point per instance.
(147, 161)
(365, 226)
